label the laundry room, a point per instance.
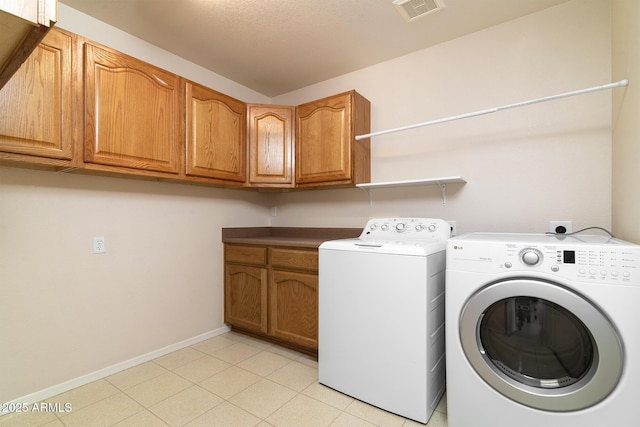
(70, 317)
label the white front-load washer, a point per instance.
(381, 315)
(542, 330)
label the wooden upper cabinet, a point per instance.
(271, 129)
(326, 150)
(23, 24)
(215, 135)
(36, 103)
(132, 114)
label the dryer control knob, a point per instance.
(531, 256)
(401, 227)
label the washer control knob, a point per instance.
(419, 227)
(384, 227)
(432, 228)
(401, 227)
(531, 256)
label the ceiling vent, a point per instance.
(414, 9)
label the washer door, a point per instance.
(541, 344)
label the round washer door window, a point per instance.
(541, 344)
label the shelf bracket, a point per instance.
(370, 192)
(443, 189)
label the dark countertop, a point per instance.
(302, 237)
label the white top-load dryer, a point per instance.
(381, 315)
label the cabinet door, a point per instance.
(131, 112)
(271, 145)
(293, 307)
(323, 140)
(326, 150)
(245, 304)
(36, 103)
(216, 134)
(23, 24)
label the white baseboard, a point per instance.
(113, 369)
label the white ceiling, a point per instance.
(276, 46)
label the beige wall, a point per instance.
(524, 167)
(626, 110)
(66, 314)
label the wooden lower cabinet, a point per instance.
(246, 297)
(272, 293)
(293, 307)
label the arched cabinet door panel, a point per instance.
(215, 135)
(293, 307)
(246, 297)
(131, 112)
(271, 135)
(326, 150)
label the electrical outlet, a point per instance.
(556, 227)
(454, 231)
(98, 245)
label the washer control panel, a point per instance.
(584, 258)
(421, 229)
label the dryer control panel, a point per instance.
(584, 258)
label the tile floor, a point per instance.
(230, 380)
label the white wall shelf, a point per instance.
(621, 83)
(442, 182)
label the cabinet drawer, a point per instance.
(246, 254)
(298, 259)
